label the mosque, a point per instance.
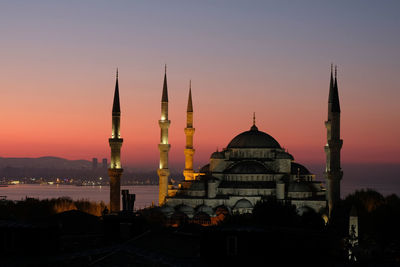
(252, 167)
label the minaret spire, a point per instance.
(190, 104)
(333, 101)
(331, 83)
(333, 172)
(164, 146)
(116, 106)
(165, 87)
(335, 73)
(189, 132)
(115, 170)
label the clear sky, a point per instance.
(58, 61)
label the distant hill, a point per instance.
(45, 163)
(54, 167)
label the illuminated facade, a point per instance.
(115, 170)
(164, 147)
(333, 172)
(252, 167)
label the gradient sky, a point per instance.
(58, 61)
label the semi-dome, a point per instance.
(284, 155)
(296, 168)
(218, 155)
(248, 167)
(205, 168)
(253, 139)
(243, 204)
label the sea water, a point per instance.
(146, 195)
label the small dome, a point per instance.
(205, 209)
(189, 211)
(253, 139)
(217, 155)
(243, 204)
(205, 168)
(167, 210)
(297, 168)
(248, 167)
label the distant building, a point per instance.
(104, 164)
(94, 163)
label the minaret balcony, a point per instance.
(115, 172)
(163, 172)
(332, 144)
(333, 175)
(189, 131)
(189, 151)
(115, 142)
(164, 147)
(164, 123)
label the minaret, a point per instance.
(115, 170)
(189, 132)
(163, 171)
(333, 172)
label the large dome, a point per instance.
(253, 139)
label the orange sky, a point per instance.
(57, 75)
